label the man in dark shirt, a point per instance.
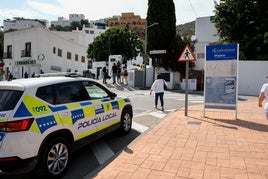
(114, 71)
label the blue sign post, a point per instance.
(221, 77)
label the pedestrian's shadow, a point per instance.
(243, 123)
(129, 88)
(119, 86)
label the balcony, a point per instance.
(25, 53)
(7, 55)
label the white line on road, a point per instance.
(138, 127)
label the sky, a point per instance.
(186, 10)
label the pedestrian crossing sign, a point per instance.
(187, 55)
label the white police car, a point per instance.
(43, 120)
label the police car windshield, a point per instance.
(9, 99)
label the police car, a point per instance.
(43, 120)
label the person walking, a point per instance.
(158, 88)
(26, 75)
(125, 75)
(10, 76)
(119, 73)
(104, 74)
(114, 72)
(264, 96)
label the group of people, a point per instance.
(118, 75)
(25, 75)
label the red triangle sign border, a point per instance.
(187, 55)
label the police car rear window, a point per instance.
(9, 99)
(63, 93)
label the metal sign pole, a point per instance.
(187, 56)
(186, 88)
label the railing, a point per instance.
(7, 55)
(25, 53)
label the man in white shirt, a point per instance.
(264, 96)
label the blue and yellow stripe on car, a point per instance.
(47, 116)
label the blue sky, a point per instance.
(186, 10)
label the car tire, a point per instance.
(54, 160)
(126, 121)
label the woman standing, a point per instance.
(158, 88)
(125, 75)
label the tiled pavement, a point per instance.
(218, 146)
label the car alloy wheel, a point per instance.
(57, 158)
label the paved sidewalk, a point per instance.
(217, 146)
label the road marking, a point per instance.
(158, 114)
(138, 127)
(192, 101)
(140, 112)
(102, 151)
(161, 114)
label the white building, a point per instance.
(21, 23)
(34, 49)
(67, 22)
(83, 37)
(206, 33)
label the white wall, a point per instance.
(205, 33)
(251, 76)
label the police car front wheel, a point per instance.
(126, 121)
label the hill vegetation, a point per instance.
(186, 30)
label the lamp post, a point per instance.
(145, 51)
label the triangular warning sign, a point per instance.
(187, 55)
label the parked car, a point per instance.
(43, 120)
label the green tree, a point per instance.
(76, 24)
(115, 41)
(1, 44)
(162, 36)
(84, 22)
(244, 22)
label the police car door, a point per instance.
(107, 111)
(75, 109)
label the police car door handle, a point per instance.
(65, 113)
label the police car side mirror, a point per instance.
(113, 95)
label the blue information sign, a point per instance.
(222, 52)
(221, 93)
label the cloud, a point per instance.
(10, 13)
(46, 8)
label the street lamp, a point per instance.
(145, 51)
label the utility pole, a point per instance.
(145, 51)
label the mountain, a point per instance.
(187, 29)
